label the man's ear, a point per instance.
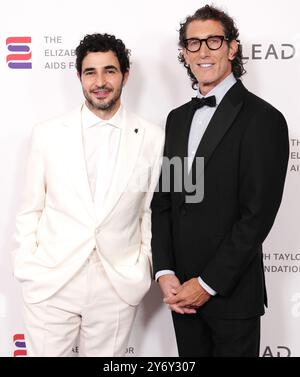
(233, 49)
(125, 77)
(186, 56)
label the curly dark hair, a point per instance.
(102, 43)
(209, 12)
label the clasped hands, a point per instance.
(183, 298)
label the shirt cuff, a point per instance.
(163, 272)
(206, 287)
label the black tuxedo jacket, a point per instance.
(245, 149)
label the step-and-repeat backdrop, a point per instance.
(42, 84)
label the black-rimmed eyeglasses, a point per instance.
(213, 43)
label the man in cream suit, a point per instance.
(83, 230)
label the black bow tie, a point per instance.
(204, 101)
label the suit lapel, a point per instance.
(184, 130)
(76, 158)
(179, 144)
(131, 138)
(220, 123)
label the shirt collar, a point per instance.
(89, 119)
(221, 89)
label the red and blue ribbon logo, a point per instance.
(20, 52)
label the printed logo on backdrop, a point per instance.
(19, 345)
(294, 156)
(57, 55)
(269, 51)
(19, 52)
(276, 351)
(129, 351)
(52, 53)
(278, 262)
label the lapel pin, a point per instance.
(136, 130)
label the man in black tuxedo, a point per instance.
(207, 254)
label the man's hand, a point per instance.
(188, 295)
(170, 284)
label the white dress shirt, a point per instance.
(199, 124)
(100, 143)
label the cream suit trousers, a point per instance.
(86, 309)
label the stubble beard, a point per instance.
(103, 106)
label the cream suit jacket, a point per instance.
(58, 225)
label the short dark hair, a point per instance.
(102, 43)
(209, 12)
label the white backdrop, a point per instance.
(270, 34)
